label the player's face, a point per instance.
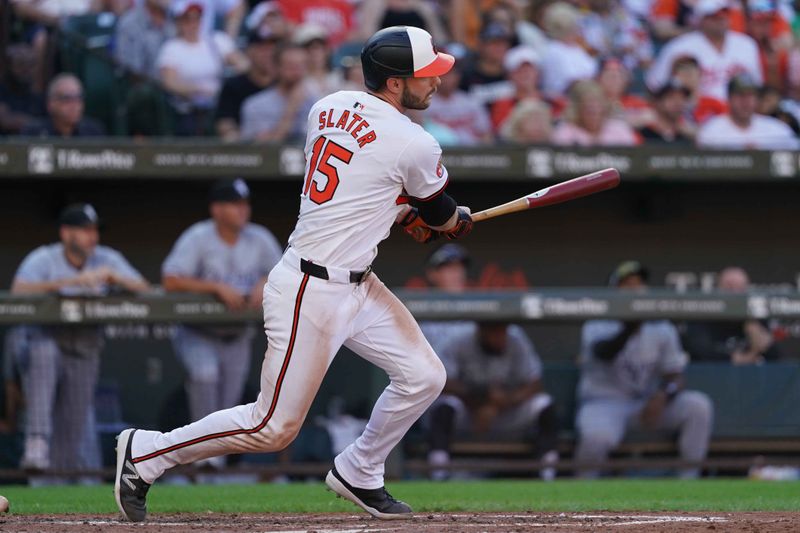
(450, 277)
(232, 215)
(417, 92)
(80, 241)
(493, 338)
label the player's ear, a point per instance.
(394, 85)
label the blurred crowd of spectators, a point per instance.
(715, 73)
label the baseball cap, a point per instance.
(181, 7)
(671, 85)
(704, 8)
(79, 215)
(261, 10)
(495, 30)
(625, 270)
(229, 190)
(308, 33)
(743, 82)
(262, 34)
(448, 253)
(519, 55)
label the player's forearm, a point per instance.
(42, 287)
(186, 284)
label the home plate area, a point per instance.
(433, 522)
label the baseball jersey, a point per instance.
(200, 253)
(763, 133)
(48, 263)
(466, 361)
(739, 54)
(362, 154)
(636, 371)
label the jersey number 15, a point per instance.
(321, 153)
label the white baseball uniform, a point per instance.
(361, 156)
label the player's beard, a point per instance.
(411, 101)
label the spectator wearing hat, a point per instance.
(280, 113)
(60, 364)
(741, 343)
(741, 127)
(609, 29)
(262, 74)
(686, 70)
(229, 257)
(484, 74)
(229, 12)
(320, 78)
(632, 378)
(454, 117)
(720, 51)
(65, 107)
(588, 120)
(670, 123)
(522, 65)
(191, 67)
(269, 18)
(139, 35)
(565, 61)
(377, 14)
(494, 384)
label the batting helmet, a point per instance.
(401, 52)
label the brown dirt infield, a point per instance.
(626, 522)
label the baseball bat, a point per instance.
(585, 185)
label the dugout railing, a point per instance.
(756, 413)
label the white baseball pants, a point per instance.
(307, 320)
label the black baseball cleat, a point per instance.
(129, 489)
(377, 502)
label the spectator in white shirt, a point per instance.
(742, 128)
(191, 67)
(564, 61)
(720, 52)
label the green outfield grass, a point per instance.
(610, 495)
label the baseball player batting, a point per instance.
(367, 166)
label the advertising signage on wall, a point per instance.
(117, 158)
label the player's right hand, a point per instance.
(232, 298)
(463, 224)
(414, 225)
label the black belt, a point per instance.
(319, 271)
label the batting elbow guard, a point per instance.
(462, 227)
(413, 224)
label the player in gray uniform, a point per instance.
(631, 378)
(229, 257)
(60, 364)
(447, 272)
(494, 383)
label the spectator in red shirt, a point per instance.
(774, 41)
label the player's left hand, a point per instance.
(414, 225)
(653, 409)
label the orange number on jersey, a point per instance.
(321, 164)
